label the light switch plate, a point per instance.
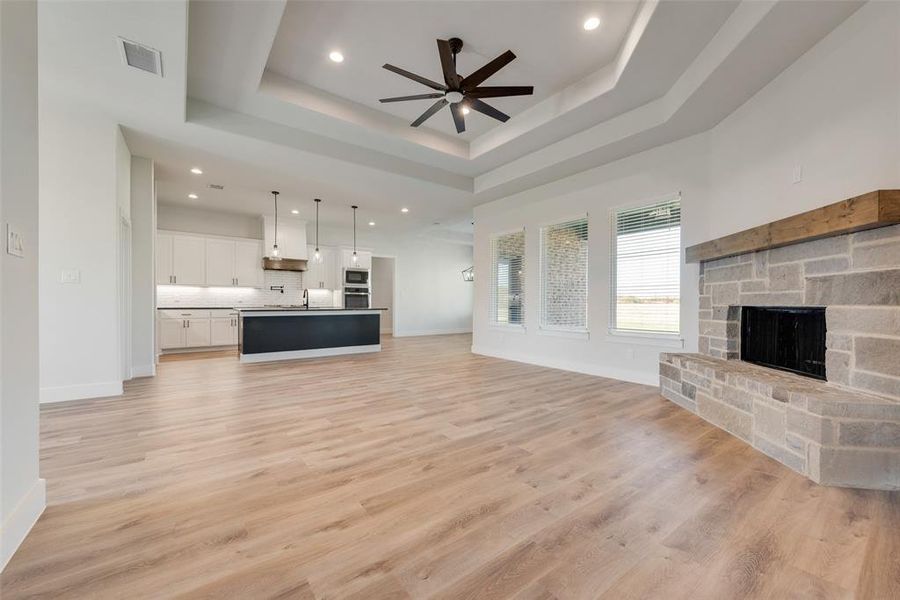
(15, 243)
(798, 174)
(70, 276)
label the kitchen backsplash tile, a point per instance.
(226, 297)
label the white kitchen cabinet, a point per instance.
(196, 333)
(223, 331)
(248, 271)
(185, 259)
(164, 274)
(324, 274)
(188, 260)
(219, 262)
(171, 333)
(233, 263)
(363, 259)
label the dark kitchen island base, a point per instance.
(285, 334)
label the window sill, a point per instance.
(663, 340)
(575, 334)
(507, 328)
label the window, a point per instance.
(646, 268)
(564, 273)
(508, 277)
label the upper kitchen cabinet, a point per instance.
(180, 259)
(291, 237)
(248, 263)
(164, 275)
(233, 263)
(185, 259)
(363, 259)
(324, 274)
(219, 262)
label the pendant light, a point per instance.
(317, 257)
(275, 237)
(354, 258)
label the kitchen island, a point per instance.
(287, 333)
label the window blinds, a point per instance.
(647, 268)
(564, 275)
(508, 278)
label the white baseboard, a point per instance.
(143, 370)
(577, 367)
(21, 520)
(81, 391)
(420, 332)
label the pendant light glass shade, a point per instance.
(275, 237)
(317, 256)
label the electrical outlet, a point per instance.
(70, 276)
(798, 174)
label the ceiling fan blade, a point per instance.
(427, 114)
(487, 109)
(487, 70)
(416, 97)
(432, 84)
(458, 118)
(446, 54)
(500, 91)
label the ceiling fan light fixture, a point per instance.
(591, 23)
(454, 97)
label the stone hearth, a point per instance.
(832, 435)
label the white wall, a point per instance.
(79, 332)
(679, 167)
(143, 265)
(835, 112)
(175, 217)
(431, 296)
(22, 492)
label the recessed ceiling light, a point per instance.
(404, 210)
(591, 24)
(371, 223)
(193, 196)
(466, 110)
(295, 212)
(336, 56)
(197, 171)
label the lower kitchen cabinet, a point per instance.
(223, 331)
(171, 333)
(196, 329)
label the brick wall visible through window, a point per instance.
(564, 275)
(508, 279)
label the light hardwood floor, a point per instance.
(427, 472)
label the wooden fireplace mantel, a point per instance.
(868, 211)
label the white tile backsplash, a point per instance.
(226, 297)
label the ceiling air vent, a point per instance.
(141, 57)
(216, 186)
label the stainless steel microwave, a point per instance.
(357, 277)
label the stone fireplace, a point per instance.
(844, 430)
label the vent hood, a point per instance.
(293, 253)
(271, 263)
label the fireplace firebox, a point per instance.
(789, 338)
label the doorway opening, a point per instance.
(383, 290)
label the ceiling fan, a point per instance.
(461, 92)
